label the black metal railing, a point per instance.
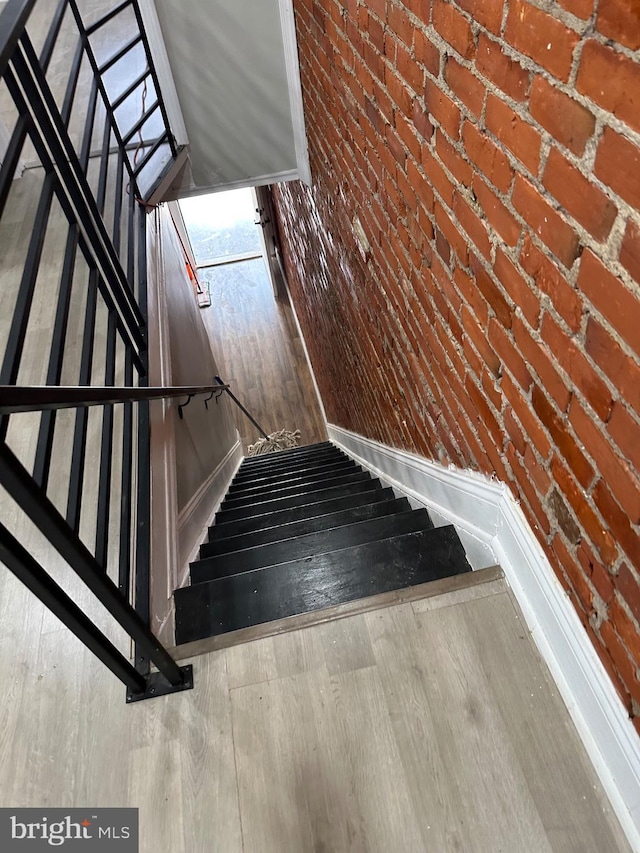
(84, 152)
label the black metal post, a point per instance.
(18, 560)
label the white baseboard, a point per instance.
(196, 517)
(485, 511)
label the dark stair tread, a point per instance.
(324, 506)
(273, 467)
(304, 450)
(300, 528)
(251, 598)
(310, 545)
(275, 493)
(265, 507)
(315, 472)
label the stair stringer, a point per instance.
(485, 514)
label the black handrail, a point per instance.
(38, 398)
(222, 387)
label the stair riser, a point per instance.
(211, 608)
(311, 545)
(274, 493)
(266, 507)
(301, 528)
(294, 453)
(290, 491)
(303, 476)
(224, 530)
(277, 465)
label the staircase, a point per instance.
(304, 530)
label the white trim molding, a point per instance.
(485, 510)
(288, 26)
(195, 518)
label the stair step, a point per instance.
(314, 475)
(310, 545)
(313, 583)
(304, 450)
(300, 528)
(291, 501)
(275, 465)
(275, 493)
(239, 527)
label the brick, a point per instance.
(500, 219)
(581, 372)
(537, 357)
(454, 238)
(619, 305)
(579, 197)
(406, 132)
(567, 121)
(398, 22)
(625, 431)
(626, 582)
(375, 31)
(565, 444)
(624, 669)
(567, 524)
(526, 491)
(630, 249)
(592, 523)
(520, 138)
(443, 109)
(459, 168)
(472, 295)
(409, 69)
(453, 27)
(616, 520)
(610, 357)
(580, 8)
(527, 417)
(465, 85)
(620, 20)
(517, 288)
(506, 73)
(488, 13)
(421, 121)
(612, 81)
(623, 482)
(548, 278)
(489, 159)
(472, 224)
(618, 165)
(549, 226)
(476, 335)
(492, 293)
(436, 174)
(399, 92)
(542, 37)
(625, 629)
(593, 568)
(426, 52)
(505, 349)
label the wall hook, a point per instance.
(184, 406)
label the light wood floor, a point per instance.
(256, 344)
(428, 726)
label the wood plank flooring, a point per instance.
(431, 725)
(256, 344)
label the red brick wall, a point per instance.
(491, 151)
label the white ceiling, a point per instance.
(236, 79)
